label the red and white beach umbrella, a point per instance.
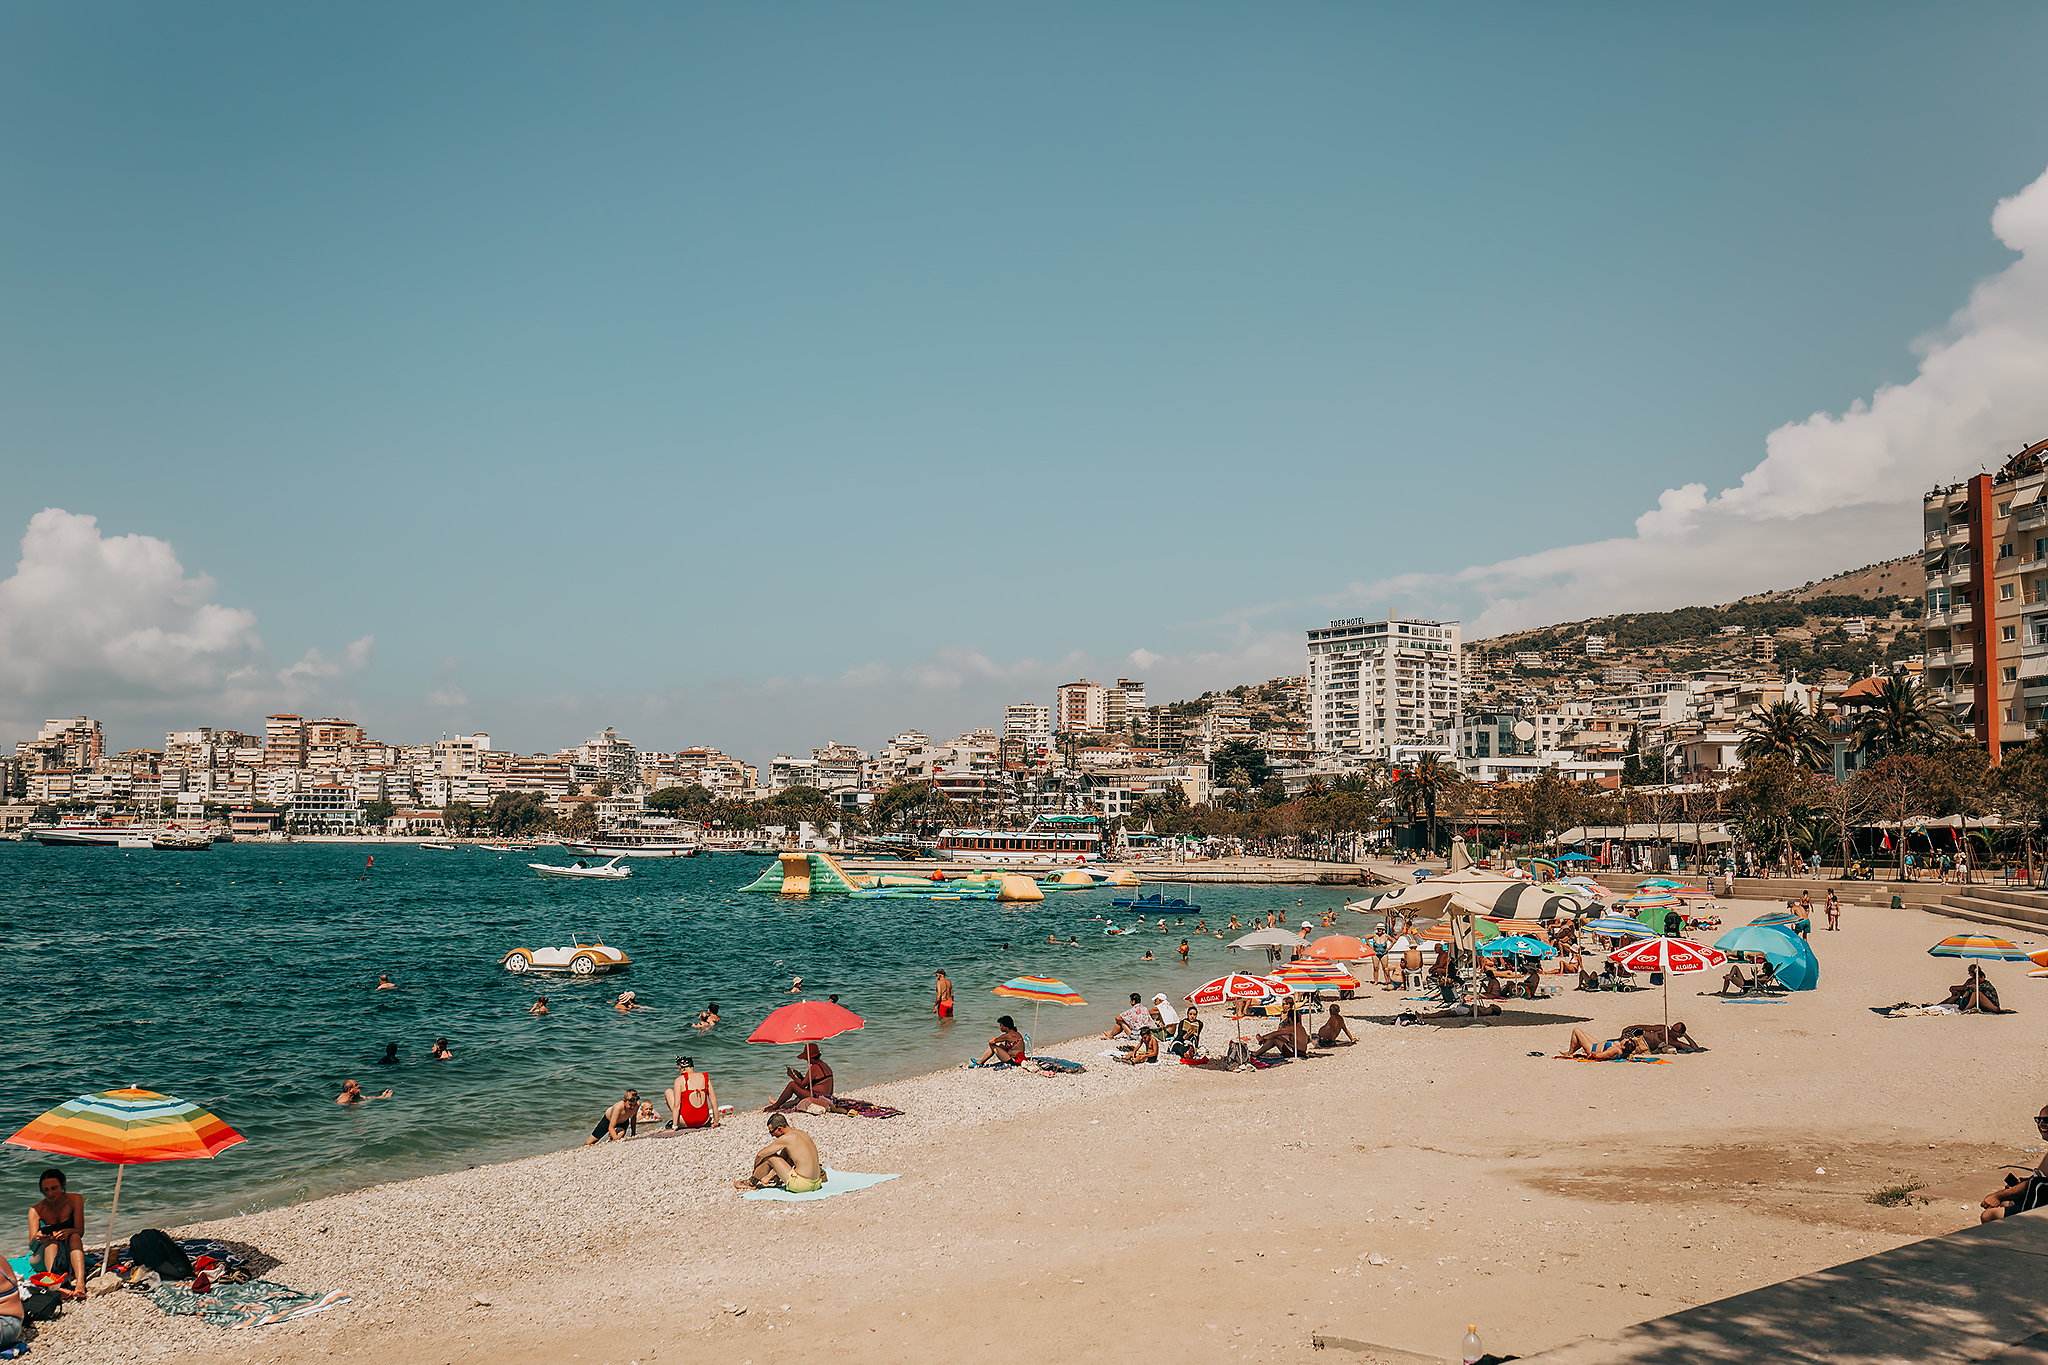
(1237, 986)
(1672, 957)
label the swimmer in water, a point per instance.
(390, 1057)
(1148, 956)
(708, 1018)
(352, 1093)
(1052, 938)
(796, 986)
(441, 1052)
(1073, 942)
(385, 983)
(540, 1005)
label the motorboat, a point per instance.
(578, 959)
(607, 871)
(177, 842)
(1154, 903)
(438, 846)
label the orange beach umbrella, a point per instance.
(127, 1128)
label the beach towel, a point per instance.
(1654, 1061)
(840, 1182)
(257, 1303)
(1059, 1064)
(15, 1352)
(841, 1104)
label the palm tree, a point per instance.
(1428, 777)
(1898, 719)
(1784, 728)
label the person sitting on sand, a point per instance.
(1664, 1038)
(1333, 1025)
(539, 1006)
(1006, 1046)
(56, 1232)
(1136, 1019)
(707, 1017)
(1187, 1039)
(692, 1102)
(1976, 994)
(619, 1122)
(1289, 1040)
(1146, 1050)
(2018, 1196)
(390, 1057)
(352, 1093)
(441, 1052)
(13, 1316)
(1586, 1045)
(790, 1160)
(814, 1082)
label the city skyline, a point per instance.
(759, 382)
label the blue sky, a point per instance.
(762, 376)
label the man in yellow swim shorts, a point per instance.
(790, 1160)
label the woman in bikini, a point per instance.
(708, 1017)
(1007, 1046)
(56, 1228)
(1613, 1050)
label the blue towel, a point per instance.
(841, 1182)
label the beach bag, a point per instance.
(40, 1305)
(1239, 1053)
(155, 1249)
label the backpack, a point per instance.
(155, 1249)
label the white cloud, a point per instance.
(448, 695)
(114, 617)
(114, 627)
(1831, 493)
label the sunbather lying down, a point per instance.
(1586, 1045)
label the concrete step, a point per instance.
(2010, 895)
(1988, 911)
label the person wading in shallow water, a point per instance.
(942, 1003)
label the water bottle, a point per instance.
(1473, 1350)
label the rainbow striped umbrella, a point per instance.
(1315, 976)
(1985, 946)
(1039, 990)
(127, 1128)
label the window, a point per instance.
(2012, 675)
(2008, 713)
(2005, 552)
(2005, 592)
(2007, 632)
(2005, 509)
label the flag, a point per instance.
(1887, 839)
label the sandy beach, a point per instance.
(1388, 1192)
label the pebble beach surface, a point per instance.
(1387, 1192)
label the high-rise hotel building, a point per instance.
(1987, 600)
(1378, 686)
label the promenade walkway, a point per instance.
(1978, 1295)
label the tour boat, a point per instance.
(633, 844)
(1050, 839)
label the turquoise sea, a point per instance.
(243, 979)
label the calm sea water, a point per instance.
(242, 979)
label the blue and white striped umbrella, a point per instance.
(1613, 925)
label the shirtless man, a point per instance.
(56, 1227)
(352, 1093)
(1290, 1039)
(385, 983)
(619, 1122)
(1333, 1025)
(942, 1001)
(790, 1160)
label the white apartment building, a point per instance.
(1030, 722)
(1082, 706)
(1378, 686)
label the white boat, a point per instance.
(636, 846)
(433, 846)
(609, 871)
(1050, 839)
